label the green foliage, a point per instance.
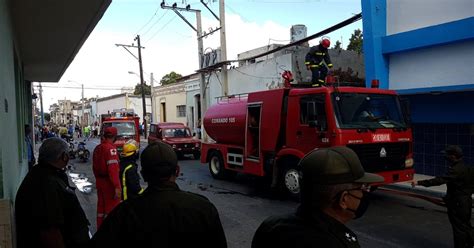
(348, 76)
(138, 89)
(356, 41)
(170, 78)
(47, 117)
(337, 45)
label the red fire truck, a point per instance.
(266, 133)
(127, 124)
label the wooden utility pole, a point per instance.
(142, 82)
(225, 83)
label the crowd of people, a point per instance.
(334, 190)
(62, 130)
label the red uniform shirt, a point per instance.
(106, 163)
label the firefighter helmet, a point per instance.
(325, 42)
(129, 149)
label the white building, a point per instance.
(109, 104)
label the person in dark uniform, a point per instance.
(460, 187)
(48, 213)
(163, 216)
(314, 61)
(334, 191)
(129, 178)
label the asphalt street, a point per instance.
(244, 202)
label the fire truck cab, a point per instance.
(127, 124)
(266, 133)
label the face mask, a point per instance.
(363, 205)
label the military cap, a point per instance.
(335, 165)
(453, 150)
(158, 160)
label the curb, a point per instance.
(417, 190)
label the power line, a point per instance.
(149, 20)
(156, 22)
(78, 87)
(254, 75)
(164, 26)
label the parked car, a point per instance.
(178, 136)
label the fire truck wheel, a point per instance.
(216, 165)
(290, 181)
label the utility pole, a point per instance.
(152, 92)
(225, 83)
(82, 126)
(142, 84)
(198, 30)
(41, 99)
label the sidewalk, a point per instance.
(434, 191)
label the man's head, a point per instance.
(325, 42)
(334, 181)
(110, 133)
(159, 163)
(54, 151)
(453, 153)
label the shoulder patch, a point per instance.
(113, 152)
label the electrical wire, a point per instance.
(156, 22)
(149, 20)
(77, 87)
(159, 30)
(254, 75)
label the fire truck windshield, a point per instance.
(372, 111)
(176, 133)
(123, 128)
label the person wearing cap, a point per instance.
(105, 164)
(164, 215)
(129, 178)
(314, 61)
(334, 191)
(48, 213)
(460, 187)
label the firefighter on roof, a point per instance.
(106, 167)
(314, 61)
(129, 177)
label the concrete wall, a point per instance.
(407, 15)
(170, 96)
(104, 106)
(192, 89)
(13, 115)
(447, 65)
(135, 102)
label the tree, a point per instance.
(47, 117)
(337, 45)
(355, 42)
(170, 78)
(138, 89)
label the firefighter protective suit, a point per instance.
(314, 61)
(106, 171)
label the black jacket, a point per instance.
(316, 56)
(459, 182)
(129, 178)
(45, 200)
(315, 229)
(163, 216)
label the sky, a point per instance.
(171, 45)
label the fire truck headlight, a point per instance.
(409, 163)
(174, 146)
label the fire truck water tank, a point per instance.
(225, 121)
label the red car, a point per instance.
(178, 136)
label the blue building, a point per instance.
(425, 51)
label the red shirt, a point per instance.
(105, 162)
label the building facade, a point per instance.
(170, 103)
(109, 104)
(429, 59)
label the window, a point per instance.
(312, 108)
(181, 111)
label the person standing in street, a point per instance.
(334, 191)
(314, 61)
(163, 216)
(460, 187)
(29, 147)
(129, 178)
(105, 164)
(48, 213)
